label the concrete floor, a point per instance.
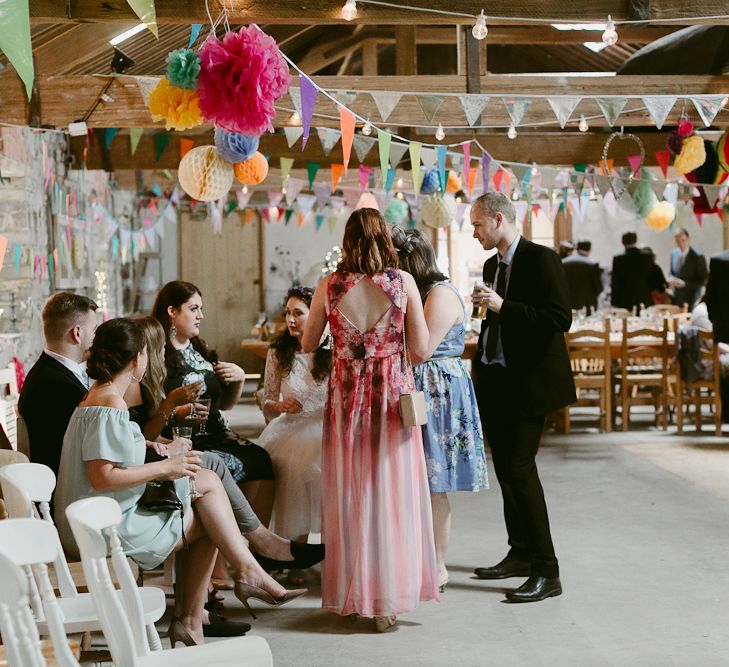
(639, 521)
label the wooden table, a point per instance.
(256, 346)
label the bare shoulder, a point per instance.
(104, 399)
(408, 280)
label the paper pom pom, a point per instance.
(709, 171)
(454, 182)
(430, 182)
(367, 200)
(397, 211)
(644, 198)
(176, 106)
(685, 128)
(674, 143)
(661, 216)
(722, 150)
(240, 80)
(438, 210)
(253, 171)
(204, 175)
(183, 66)
(233, 146)
(692, 155)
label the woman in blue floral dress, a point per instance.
(452, 438)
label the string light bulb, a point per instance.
(245, 190)
(535, 170)
(512, 132)
(367, 128)
(440, 132)
(584, 125)
(399, 183)
(349, 11)
(480, 30)
(610, 36)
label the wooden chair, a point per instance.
(589, 352)
(709, 353)
(93, 522)
(644, 362)
(667, 309)
(26, 596)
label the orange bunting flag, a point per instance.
(185, 146)
(609, 167)
(507, 183)
(337, 171)
(3, 246)
(347, 123)
(301, 219)
(472, 173)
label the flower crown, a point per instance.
(300, 292)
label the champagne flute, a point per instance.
(186, 432)
(206, 403)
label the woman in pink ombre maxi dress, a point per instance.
(376, 513)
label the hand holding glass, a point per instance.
(203, 411)
(479, 308)
(186, 432)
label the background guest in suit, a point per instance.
(688, 271)
(717, 303)
(522, 372)
(630, 279)
(58, 380)
(584, 277)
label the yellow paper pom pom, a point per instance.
(661, 216)
(179, 108)
(692, 155)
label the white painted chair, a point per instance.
(8, 403)
(26, 594)
(93, 522)
(26, 485)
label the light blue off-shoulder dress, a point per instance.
(107, 433)
(452, 438)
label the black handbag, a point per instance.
(160, 497)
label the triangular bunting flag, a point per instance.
(243, 197)
(351, 195)
(611, 108)
(663, 158)
(384, 140)
(708, 106)
(472, 173)
(311, 169)
(415, 148)
(305, 203)
(345, 97)
(274, 197)
(521, 171)
(466, 161)
(308, 99)
(337, 171)
(658, 107)
(347, 123)
(611, 206)
(295, 95)
(397, 150)
(322, 192)
(385, 102)
(520, 209)
(430, 105)
(486, 167)
(332, 222)
(390, 179)
(618, 188)
(287, 216)
(383, 199)
(606, 166)
(293, 133)
(328, 138)
(293, 187)
(563, 107)
(319, 221)
(185, 146)
(712, 194)
(364, 177)
(427, 157)
(144, 9)
(634, 162)
(362, 145)
(146, 85)
(658, 188)
(602, 184)
(109, 135)
(473, 106)
(670, 194)
(135, 134)
(194, 32)
(516, 108)
(442, 176)
(161, 139)
(15, 40)
(286, 164)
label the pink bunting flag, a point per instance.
(3, 247)
(347, 123)
(498, 176)
(308, 99)
(364, 177)
(634, 162)
(466, 161)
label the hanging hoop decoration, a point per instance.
(621, 135)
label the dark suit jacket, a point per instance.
(534, 316)
(584, 279)
(717, 296)
(693, 273)
(631, 279)
(49, 396)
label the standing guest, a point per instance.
(717, 303)
(631, 274)
(376, 516)
(522, 372)
(178, 308)
(565, 249)
(688, 271)
(452, 438)
(584, 277)
(58, 380)
(656, 280)
(295, 390)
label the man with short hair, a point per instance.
(630, 279)
(584, 277)
(717, 304)
(688, 271)
(58, 381)
(522, 372)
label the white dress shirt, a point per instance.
(79, 370)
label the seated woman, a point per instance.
(452, 438)
(178, 308)
(151, 409)
(103, 454)
(294, 394)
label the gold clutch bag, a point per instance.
(412, 409)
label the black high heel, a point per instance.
(304, 556)
(245, 591)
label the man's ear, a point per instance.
(75, 333)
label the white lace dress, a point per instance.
(293, 441)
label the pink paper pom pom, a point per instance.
(685, 128)
(240, 80)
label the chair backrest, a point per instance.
(26, 547)
(644, 346)
(667, 309)
(93, 522)
(589, 349)
(27, 490)
(8, 403)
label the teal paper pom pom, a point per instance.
(183, 66)
(235, 147)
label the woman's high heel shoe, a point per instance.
(179, 633)
(383, 623)
(245, 591)
(304, 556)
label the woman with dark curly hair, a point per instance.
(294, 395)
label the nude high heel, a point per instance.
(245, 591)
(383, 623)
(179, 633)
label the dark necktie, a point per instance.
(493, 334)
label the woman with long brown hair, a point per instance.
(376, 516)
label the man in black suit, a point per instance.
(630, 281)
(522, 372)
(584, 277)
(688, 271)
(717, 303)
(58, 381)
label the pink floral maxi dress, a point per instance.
(376, 514)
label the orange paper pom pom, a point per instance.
(253, 171)
(179, 108)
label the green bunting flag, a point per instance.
(383, 139)
(312, 168)
(161, 139)
(15, 39)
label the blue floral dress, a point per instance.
(452, 438)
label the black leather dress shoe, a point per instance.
(304, 556)
(535, 589)
(222, 627)
(505, 569)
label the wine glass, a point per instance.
(206, 403)
(186, 432)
